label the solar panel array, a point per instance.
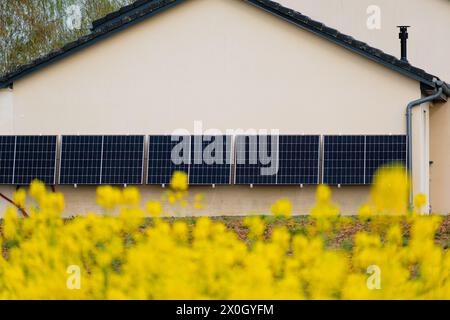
(205, 159)
(259, 159)
(25, 158)
(101, 160)
(353, 160)
(283, 159)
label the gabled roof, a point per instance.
(142, 9)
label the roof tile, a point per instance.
(330, 31)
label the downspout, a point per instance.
(441, 87)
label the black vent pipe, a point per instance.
(403, 36)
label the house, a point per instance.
(158, 66)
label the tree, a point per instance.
(30, 29)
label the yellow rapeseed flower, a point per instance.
(390, 190)
(365, 212)
(394, 235)
(108, 197)
(20, 197)
(324, 212)
(255, 225)
(323, 193)
(171, 197)
(124, 257)
(154, 208)
(10, 224)
(179, 181)
(53, 201)
(37, 189)
(180, 230)
(131, 196)
(420, 200)
(282, 208)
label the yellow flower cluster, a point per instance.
(131, 257)
(109, 197)
(282, 208)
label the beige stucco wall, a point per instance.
(6, 110)
(227, 64)
(428, 44)
(222, 200)
(440, 157)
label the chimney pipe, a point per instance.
(403, 36)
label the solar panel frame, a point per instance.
(7, 158)
(91, 174)
(162, 145)
(211, 174)
(35, 158)
(116, 171)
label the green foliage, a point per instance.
(30, 29)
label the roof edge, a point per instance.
(101, 32)
(143, 9)
(126, 10)
(343, 40)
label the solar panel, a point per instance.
(35, 158)
(167, 154)
(384, 151)
(122, 160)
(81, 160)
(7, 152)
(253, 154)
(344, 160)
(210, 160)
(355, 159)
(299, 159)
(295, 159)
